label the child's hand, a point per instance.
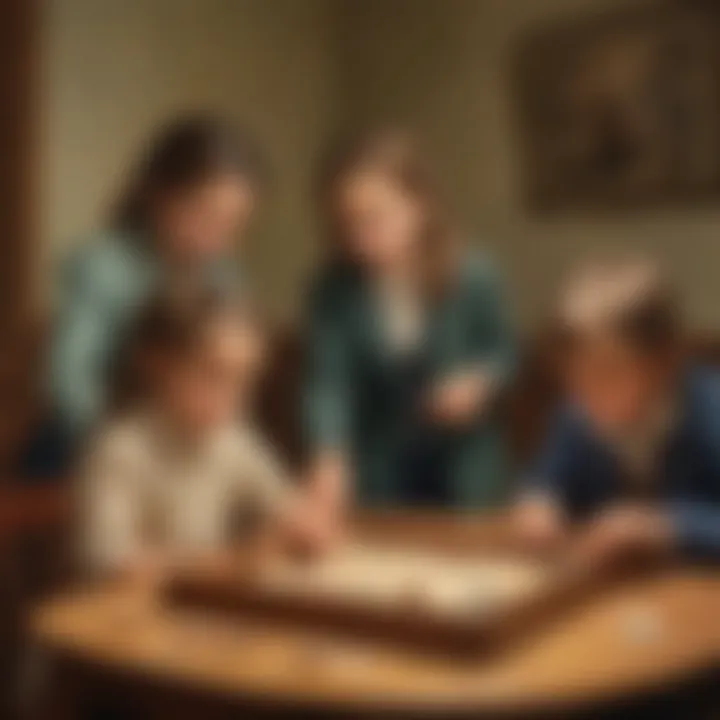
(624, 532)
(329, 491)
(147, 572)
(313, 527)
(328, 481)
(314, 521)
(459, 398)
(317, 533)
(539, 524)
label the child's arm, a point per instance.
(620, 533)
(694, 514)
(695, 526)
(295, 515)
(539, 514)
(490, 354)
(617, 531)
(539, 522)
(688, 522)
(110, 510)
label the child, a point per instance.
(191, 198)
(635, 454)
(168, 478)
(409, 342)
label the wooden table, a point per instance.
(646, 636)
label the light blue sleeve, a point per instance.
(82, 336)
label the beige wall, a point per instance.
(444, 65)
(116, 68)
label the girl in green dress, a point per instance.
(182, 213)
(409, 344)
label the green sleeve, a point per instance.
(493, 343)
(81, 339)
(328, 386)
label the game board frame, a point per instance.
(416, 628)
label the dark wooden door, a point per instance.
(18, 143)
(19, 120)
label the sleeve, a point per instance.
(80, 343)
(328, 385)
(695, 513)
(493, 344)
(263, 474)
(697, 526)
(551, 475)
(110, 509)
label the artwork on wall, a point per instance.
(622, 110)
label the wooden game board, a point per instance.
(419, 594)
(387, 578)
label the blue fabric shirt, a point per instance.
(578, 470)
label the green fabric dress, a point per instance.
(352, 398)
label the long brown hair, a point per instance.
(394, 153)
(182, 154)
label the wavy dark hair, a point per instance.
(396, 154)
(182, 154)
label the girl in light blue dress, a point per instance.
(183, 214)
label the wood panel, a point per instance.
(19, 116)
(19, 20)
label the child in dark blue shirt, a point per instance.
(633, 456)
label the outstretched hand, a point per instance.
(539, 525)
(313, 525)
(459, 398)
(622, 533)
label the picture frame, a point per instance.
(621, 110)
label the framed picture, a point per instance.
(622, 110)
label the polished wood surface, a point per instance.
(643, 636)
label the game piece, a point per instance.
(642, 625)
